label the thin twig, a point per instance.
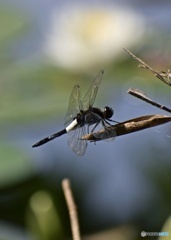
(139, 94)
(163, 77)
(71, 208)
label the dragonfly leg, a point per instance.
(110, 120)
(95, 127)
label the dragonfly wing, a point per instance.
(90, 95)
(74, 141)
(109, 134)
(74, 106)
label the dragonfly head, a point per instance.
(108, 112)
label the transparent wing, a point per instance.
(74, 141)
(90, 95)
(75, 104)
(109, 134)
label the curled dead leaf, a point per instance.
(129, 126)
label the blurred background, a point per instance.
(46, 47)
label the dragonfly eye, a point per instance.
(108, 112)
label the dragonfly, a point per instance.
(80, 116)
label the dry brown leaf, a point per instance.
(129, 126)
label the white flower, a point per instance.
(83, 37)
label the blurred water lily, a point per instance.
(83, 37)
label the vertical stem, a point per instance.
(71, 208)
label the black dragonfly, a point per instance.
(80, 116)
